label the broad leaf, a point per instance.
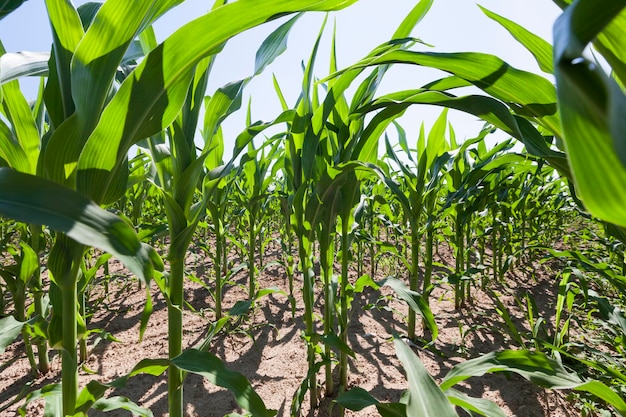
(274, 45)
(414, 300)
(426, 399)
(149, 100)
(8, 6)
(9, 330)
(356, 399)
(592, 107)
(537, 368)
(121, 403)
(22, 64)
(34, 200)
(212, 368)
(527, 94)
(480, 406)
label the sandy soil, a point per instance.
(268, 349)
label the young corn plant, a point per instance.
(181, 171)
(217, 206)
(91, 131)
(539, 110)
(30, 155)
(323, 144)
(254, 188)
(85, 224)
(18, 278)
(418, 185)
(425, 397)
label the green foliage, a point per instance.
(107, 85)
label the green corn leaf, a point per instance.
(10, 328)
(426, 399)
(15, 65)
(274, 45)
(52, 395)
(479, 406)
(35, 200)
(415, 301)
(21, 118)
(10, 150)
(336, 343)
(93, 66)
(535, 367)
(9, 6)
(604, 393)
(356, 399)
(487, 108)
(538, 47)
(611, 43)
(367, 148)
(392, 410)
(163, 78)
(436, 143)
(29, 262)
(412, 19)
(527, 94)
(254, 129)
(213, 369)
(67, 31)
(154, 367)
(609, 312)
(224, 102)
(91, 396)
(447, 83)
(592, 108)
(87, 13)
(121, 403)
(95, 60)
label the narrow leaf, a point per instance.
(537, 46)
(274, 45)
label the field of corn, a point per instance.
(333, 263)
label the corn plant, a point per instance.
(217, 206)
(85, 223)
(419, 184)
(425, 398)
(322, 146)
(179, 186)
(539, 102)
(82, 115)
(255, 165)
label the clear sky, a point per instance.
(450, 26)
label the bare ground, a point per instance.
(268, 348)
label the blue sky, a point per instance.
(450, 26)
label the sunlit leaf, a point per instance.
(213, 369)
(35, 200)
(15, 65)
(426, 399)
(592, 106)
(537, 46)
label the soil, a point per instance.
(268, 349)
